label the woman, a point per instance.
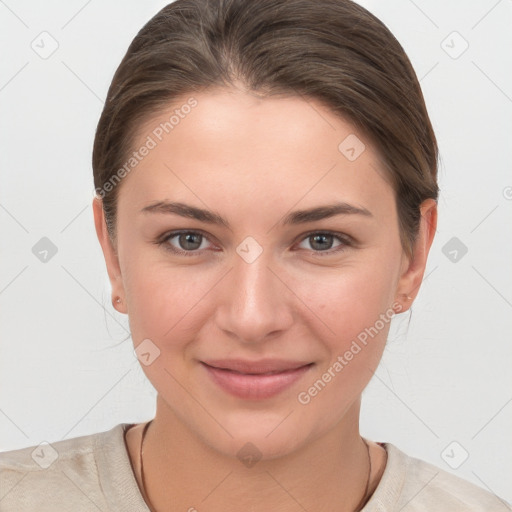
(266, 201)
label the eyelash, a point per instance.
(345, 240)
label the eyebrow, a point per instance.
(296, 217)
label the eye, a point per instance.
(192, 243)
(187, 243)
(321, 242)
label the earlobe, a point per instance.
(110, 255)
(412, 276)
(403, 304)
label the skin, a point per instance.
(252, 161)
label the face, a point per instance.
(255, 276)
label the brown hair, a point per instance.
(334, 51)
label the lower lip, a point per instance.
(255, 387)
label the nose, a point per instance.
(255, 303)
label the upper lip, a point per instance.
(256, 367)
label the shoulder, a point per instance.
(66, 472)
(420, 486)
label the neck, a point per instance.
(182, 472)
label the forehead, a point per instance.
(269, 151)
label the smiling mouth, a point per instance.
(256, 383)
(266, 373)
(261, 367)
(275, 372)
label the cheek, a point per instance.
(165, 307)
(349, 299)
(358, 317)
(352, 316)
(163, 300)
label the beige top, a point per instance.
(94, 473)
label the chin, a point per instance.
(251, 446)
(261, 434)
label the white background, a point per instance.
(65, 370)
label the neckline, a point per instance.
(115, 471)
(123, 493)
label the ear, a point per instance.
(413, 268)
(110, 254)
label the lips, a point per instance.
(261, 367)
(255, 380)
